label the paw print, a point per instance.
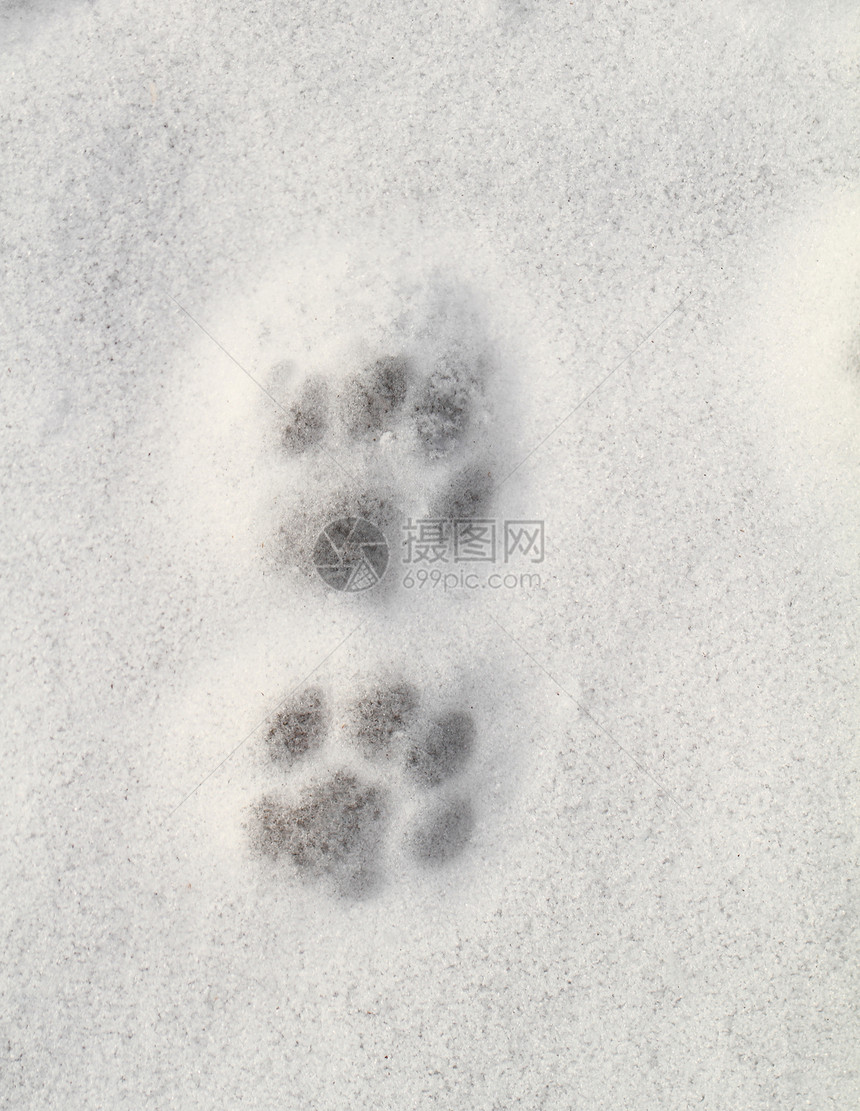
(404, 431)
(375, 778)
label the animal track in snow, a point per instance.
(383, 760)
(377, 393)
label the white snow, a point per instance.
(646, 214)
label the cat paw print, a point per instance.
(364, 787)
(376, 436)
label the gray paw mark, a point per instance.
(307, 418)
(336, 830)
(467, 496)
(443, 412)
(381, 717)
(443, 751)
(409, 424)
(372, 399)
(444, 834)
(299, 727)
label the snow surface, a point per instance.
(646, 216)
